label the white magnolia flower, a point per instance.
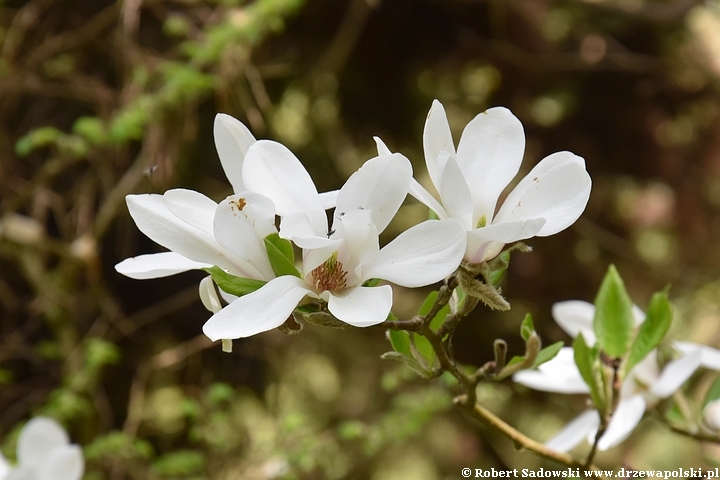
(337, 260)
(470, 181)
(44, 452)
(711, 415)
(644, 386)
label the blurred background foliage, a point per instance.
(101, 99)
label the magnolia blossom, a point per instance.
(338, 259)
(44, 452)
(470, 181)
(644, 386)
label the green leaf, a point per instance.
(613, 322)
(500, 263)
(373, 282)
(440, 316)
(547, 354)
(234, 285)
(652, 331)
(281, 255)
(424, 348)
(400, 341)
(587, 361)
(526, 327)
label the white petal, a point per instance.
(454, 191)
(559, 375)
(382, 149)
(232, 140)
(191, 207)
(419, 192)
(557, 189)
(360, 245)
(362, 306)
(675, 373)
(437, 138)
(576, 316)
(486, 242)
(4, 467)
(259, 311)
(489, 155)
(241, 224)
(329, 199)
(574, 432)
(296, 227)
(272, 170)
(710, 356)
(66, 463)
(209, 295)
(380, 186)
(626, 417)
(23, 472)
(646, 373)
(38, 438)
(421, 255)
(156, 265)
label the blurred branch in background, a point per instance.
(102, 99)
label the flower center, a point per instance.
(482, 222)
(330, 275)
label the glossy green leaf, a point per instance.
(281, 255)
(652, 331)
(440, 316)
(547, 353)
(231, 284)
(500, 263)
(424, 348)
(400, 341)
(613, 322)
(587, 361)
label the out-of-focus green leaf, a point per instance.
(234, 285)
(587, 361)
(652, 331)
(527, 327)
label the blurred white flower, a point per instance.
(337, 260)
(644, 386)
(44, 452)
(711, 415)
(470, 181)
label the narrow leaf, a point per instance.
(652, 331)
(427, 306)
(281, 256)
(424, 348)
(500, 265)
(548, 353)
(613, 322)
(586, 359)
(234, 285)
(400, 341)
(526, 327)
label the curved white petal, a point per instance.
(489, 155)
(66, 463)
(710, 357)
(328, 199)
(296, 227)
(645, 373)
(626, 417)
(380, 186)
(156, 265)
(576, 316)
(557, 189)
(421, 255)
(4, 467)
(259, 311)
(574, 432)
(272, 170)
(675, 373)
(454, 191)
(485, 243)
(153, 218)
(22, 472)
(209, 295)
(421, 194)
(382, 149)
(437, 138)
(232, 141)
(37, 438)
(559, 375)
(360, 244)
(362, 306)
(191, 207)
(240, 225)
